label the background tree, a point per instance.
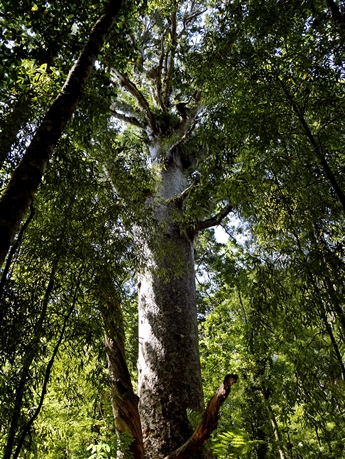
(288, 186)
(27, 176)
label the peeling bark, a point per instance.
(124, 400)
(27, 177)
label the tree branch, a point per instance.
(213, 221)
(127, 119)
(126, 108)
(159, 75)
(132, 89)
(189, 18)
(178, 200)
(170, 60)
(181, 139)
(208, 422)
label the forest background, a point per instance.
(249, 97)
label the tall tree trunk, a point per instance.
(169, 365)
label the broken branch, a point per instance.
(209, 421)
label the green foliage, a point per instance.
(77, 411)
(262, 327)
(99, 451)
(39, 291)
(124, 443)
(194, 418)
(232, 444)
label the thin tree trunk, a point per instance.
(276, 431)
(275, 427)
(169, 365)
(323, 311)
(27, 176)
(319, 153)
(124, 400)
(25, 372)
(49, 368)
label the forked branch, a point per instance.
(209, 421)
(132, 89)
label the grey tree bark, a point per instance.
(169, 364)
